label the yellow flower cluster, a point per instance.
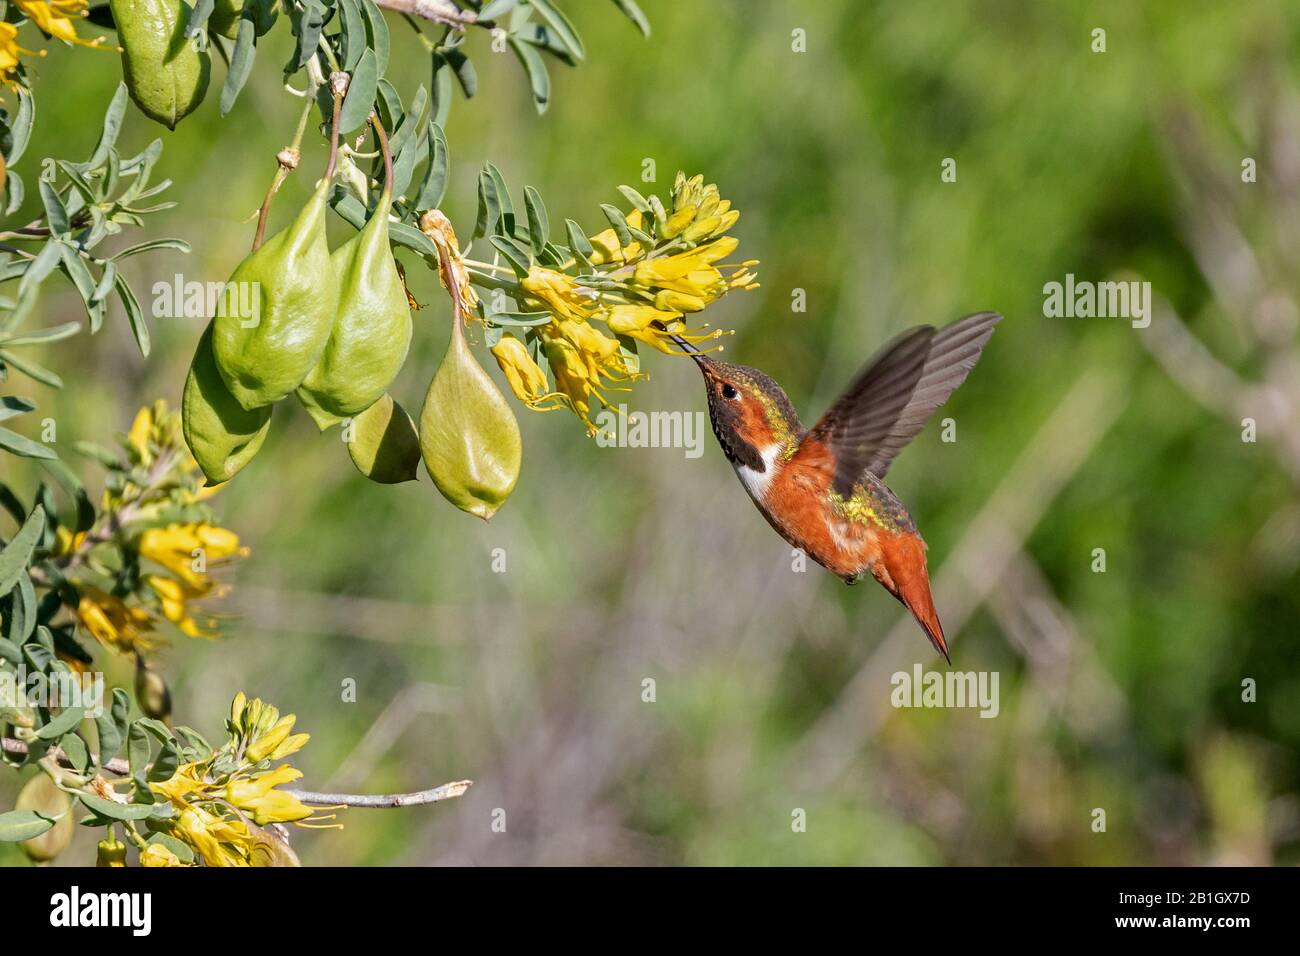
(188, 551)
(162, 475)
(54, 17)
(655, 284)
(185, 550)
(10, 52)
(220, 816)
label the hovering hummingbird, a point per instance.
(823, 488)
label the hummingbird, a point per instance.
(822, 488)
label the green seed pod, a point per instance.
(371, 332)
(223, 435)
(277, 311)
(384, 444)
(40, 794)
(468, 435)
(165, 75)
(151, 692)
(226, 13)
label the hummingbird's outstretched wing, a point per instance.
(896, 393)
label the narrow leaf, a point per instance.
(241, 65)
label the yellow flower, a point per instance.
(654, 327)
(141, 429)
(687, 273)
(155, 854)
(582, 360)
(9, 53)
(186, 550)
(218, 842)
(277, 743)
(111, 622)
(54, 17)
(699, 213)
(187, 780)
(176, 596)
(678, 221)
(526, 378)
(260, 726)
(681, 301)
(259, 798)
(572, 379)
(605, 247)
(65, 542)
(559, 294)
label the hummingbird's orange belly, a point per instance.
(799, 508)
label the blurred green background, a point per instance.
(1120, 690)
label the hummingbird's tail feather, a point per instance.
(909, 581)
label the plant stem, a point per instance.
(120, 767)
(338, 87)
(286, 162)
(388, 156)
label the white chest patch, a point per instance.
(758, 482)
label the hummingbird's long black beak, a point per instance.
(690, 350)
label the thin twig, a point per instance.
(447, 791)
(338, 86)
(382, 800)
(387, 153)
(438, 11)
(17, 748)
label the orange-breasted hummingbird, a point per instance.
(823, 488)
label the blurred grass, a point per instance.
(625, 564)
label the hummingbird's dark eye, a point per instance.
(729, 391)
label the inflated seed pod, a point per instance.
(371, 332)
(165, 75)
(277, 311)
(383, 443)
(223, 435)
(226, 14)
(40, 794)
(151, 692)
(468, 435)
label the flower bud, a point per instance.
(526, 378)
(701, 229)
(671, 301)
(110, 852)
(678, 221)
